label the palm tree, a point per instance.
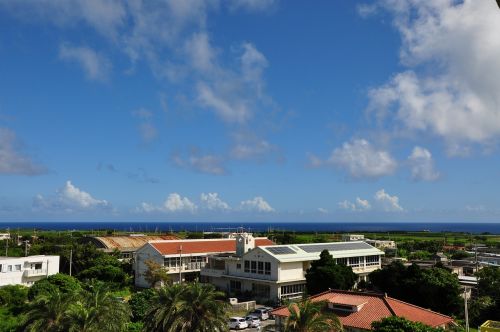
(308, 316)
(97, 309)
(165, 308)
(187, 307)
(204, 311)
(47, 313)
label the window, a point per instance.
(9, 268)
(292, 289)
(342, 261)
(253, 267)
(234, 285)
(354, 261)
(247, 266)
(261, 291)
(38, 266)
(18, 267)
(267, 268)
(1, 268)
(372, 260)
(260, 267)
(238, 266)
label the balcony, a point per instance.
(34, 273)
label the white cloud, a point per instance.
(422, 165)
(358, 205)
(95, 65)
(12, 161)
(252, 5)
(248, 146)
(361, 160)
(174, 203)
(69, 199)
(203, 163)
(212, 201)
(257, 204)
(447, 90)
(147, 129)
(387, 202)
(322, 210)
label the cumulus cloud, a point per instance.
(174, 203)
(70, 198)
(362, 160)
(212, 201)
(12, 160)
(198, 162)
(322, 210)
(358, 205)
(387, 202)
(96, 66)
(257, 204)
(252, 5)
(422, 165)
(447, 90)
(248, 146)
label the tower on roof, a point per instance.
(244, 243)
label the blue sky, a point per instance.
(251, 110)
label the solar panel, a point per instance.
(339, 246)
(280, 250)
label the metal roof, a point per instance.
(130, 242)
(310, 252)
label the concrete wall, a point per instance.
(146, 252)
(27, 270)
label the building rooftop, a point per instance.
(375, 307)
(201, 246)
(126, 242)
(303, 252)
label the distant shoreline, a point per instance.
(474, 228)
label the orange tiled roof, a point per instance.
(203, 246)
(377, 306)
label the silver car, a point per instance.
(252, 321)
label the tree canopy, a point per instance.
(400, 324)
(434, 288)
(325, 274)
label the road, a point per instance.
(262, 324)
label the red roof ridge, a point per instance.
(416, 306)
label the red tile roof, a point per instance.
(202, 246)
(377, 306)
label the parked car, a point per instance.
(237, 323)
(269, 309)
(261, 313)
(253, 321)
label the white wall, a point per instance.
(146, 252)
(26, 270)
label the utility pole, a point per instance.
(70, 261)
(180, 264)
(466, 310)
(6, 247)
(25, 248)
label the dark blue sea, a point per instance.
(493, 228)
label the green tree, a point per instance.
(308, 316)
(47, 313)
(325, 274)
(13, 296)
(140, 302)
(155, 273)
(400, 324)
(487, 304)
(435, 288)
(97, 309)
(187, 307)
(57, 282)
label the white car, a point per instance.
(253, 321)
(261, 313)
(237, 323)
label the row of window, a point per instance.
(176, 261)
(257, 267)
(10, 268)
(292, 289)
(358, 261)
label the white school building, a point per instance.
(276, 272)
(26, 270)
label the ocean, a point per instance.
(475, 228)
